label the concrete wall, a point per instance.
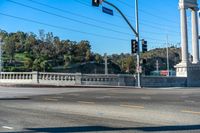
(193, 75)
(164, 81)
(65, 79)
(78, 79)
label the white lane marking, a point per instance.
(132, 106)
(146, 98)
(84, 102)
(50, 99)
(189, 101)
(190, 112)
(103, 97)
(6, 127)
(74, 94)
(57, 97)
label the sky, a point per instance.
(78, 20)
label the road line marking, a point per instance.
(132, 106)
(6, 127)
(146, 98)
(190, 112)
(50, 99)
(58, 97)
(85, 102)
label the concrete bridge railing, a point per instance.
(65, 79)
(78, 79)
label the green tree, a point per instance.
(28, 64)
(9, 48)
(98, 58)
(44, 65)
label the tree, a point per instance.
(30, 42)
(129, 64)
(88, 55)
(9, 47)
(98, 58)
(81, 51)
(44, 65)
(28, 64)
(36, 65)
(42, 35)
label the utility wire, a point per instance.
(73, 30)
(59, 27)
(163, 41)
(75, 14)
(62, 28)
(143, 23)
(71, 19)
(147, 12)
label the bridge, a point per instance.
(78, 79)
(187, 73)
(185, 68)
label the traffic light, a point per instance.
(144, 46)
(134, 46)
(96, 2)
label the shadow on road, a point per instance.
(104, 128)
(10, 99)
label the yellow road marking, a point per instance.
(132, 106)
(50, 99)
(85, 102)
(190, 112)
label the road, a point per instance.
(128, 110)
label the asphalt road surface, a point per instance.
(91, 110)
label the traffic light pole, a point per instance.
(136, 32)
(138, 40)
(124, 17)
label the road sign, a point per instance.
(139, 69)
(107, 10)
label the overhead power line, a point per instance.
(75, 14)
(144, 22)
(71, 19)
(73, 30)
(59, 27)
(62, 28)
(145, 12)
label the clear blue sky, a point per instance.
(78, 20)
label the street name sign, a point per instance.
(107, 10)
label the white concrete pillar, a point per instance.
(184, 35)
(195, 39)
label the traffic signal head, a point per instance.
(96, 2)
(134, 46)
(144, 46)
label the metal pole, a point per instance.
(136, 32)
(157, 66)
(124, 17)
(106, 64)
(138, 40)
(0, 55)
(167, 58)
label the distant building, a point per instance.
(163, 73)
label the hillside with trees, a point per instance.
(48, 53)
